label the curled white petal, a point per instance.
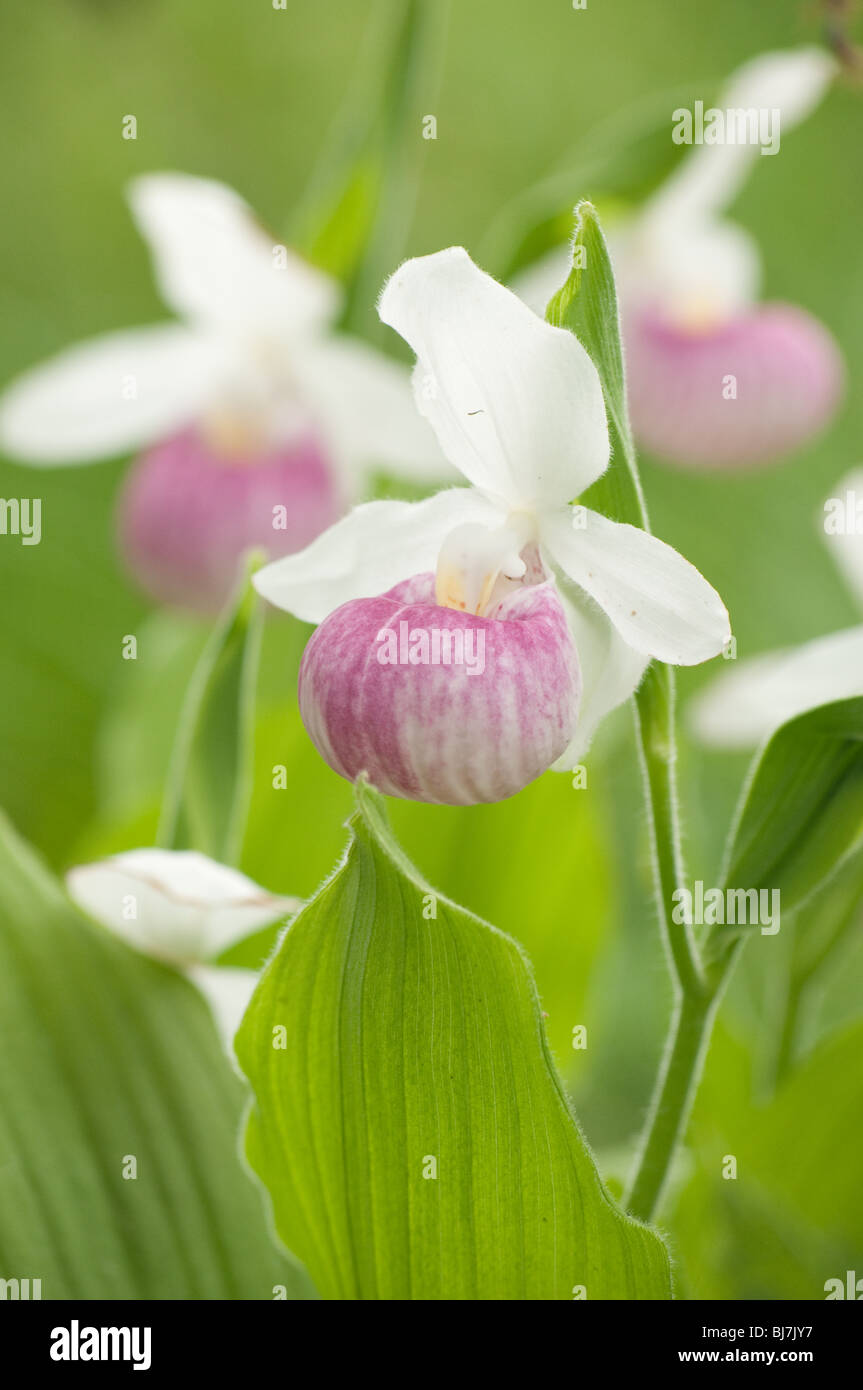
(110, 395)
(750, 700)
(516, 404)
(215, 264)
(365, 408)
(657, 600)
(177, 905)
(374, 547)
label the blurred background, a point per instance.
(254, 96)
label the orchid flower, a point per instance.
(184, 909)
(748, 703)
(518, 408)
(256, 419)
(715, 377)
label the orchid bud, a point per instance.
(193, 505)
(733, 393)
(437, 703)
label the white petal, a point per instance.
(227, 990)
(215, 264)
(110, 395)
(516, 404)
(177, 905)
(374, 547)
(365, 405)
(611, 670)
(659, 603)
(751, 699)
(846, 543)
(710, 177)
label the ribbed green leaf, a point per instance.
(107, 1056)
(408, 1122)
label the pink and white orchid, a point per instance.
(748, 702)
(259, 423)
(715, 377)
(184, 909)
(568, 606)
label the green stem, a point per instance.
(672, 1102)
(654, 715)
(696, 994)
(679, 1075)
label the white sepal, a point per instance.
(374, 547)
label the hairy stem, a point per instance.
(678, 1078)
(654, 713)
(696, 995)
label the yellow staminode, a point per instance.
(477, 565)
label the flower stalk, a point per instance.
(587, 305)
(655, 715)
(696, 999)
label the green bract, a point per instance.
(408, 1121)
(802, 812)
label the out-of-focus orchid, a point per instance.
(450, 664)
(257, 420)
(748, 702)
(715, 377)
(184, 909)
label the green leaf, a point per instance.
(830, 919)
(408, 1122)
(562, 843)
(587, 305)
(801, 817)
(108, 1055)
(209, 781)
